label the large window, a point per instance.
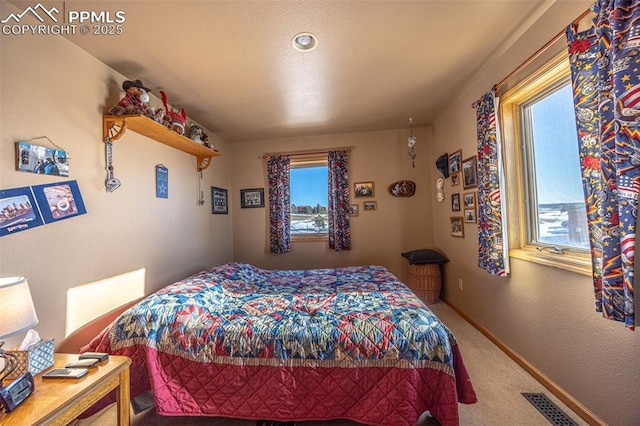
(309, 198)
(547, 216)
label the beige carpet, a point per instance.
(497, 379)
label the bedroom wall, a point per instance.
(544, 314)
(378, 237)
(51, 87)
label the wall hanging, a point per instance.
(402, 188)
(411, 142)
(58, 201)
(252, 198)
(162, 181)
(219, 201)
(363, 189)
(18, 211)
(40, 159)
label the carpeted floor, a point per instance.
(499, 383)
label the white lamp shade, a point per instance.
(17, 313)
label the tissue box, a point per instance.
(35, 359)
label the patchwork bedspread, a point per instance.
(291, 345)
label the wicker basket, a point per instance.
(425, 281)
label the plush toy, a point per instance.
(173, 120)
(134, 101)
(195, 133)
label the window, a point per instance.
(547, 216)
(309, 198)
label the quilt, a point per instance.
(291, 345)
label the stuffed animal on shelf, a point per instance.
(173, 120)
(195, 133)
(135, 100)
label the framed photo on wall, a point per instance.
(457, 226)
(370, 205)
(455, 160)
(455, 178)
(363, 189)
(455, 202)
(252, 198)
(219, 201)
(353, 210)
(469, 173)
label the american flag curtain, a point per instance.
(492, 240)
(338, 176)
(278, 175)
(606, 84)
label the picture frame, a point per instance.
(457, 226)
(455, 178)
(19, 211)
(469, 200)
(455, 202)
(59, 201)
(363, 189)
(370, 205)
(251, 198)
(219, 201)
(353, 210)
(455, 161)
(38, 159)
(470, 215)
(469, 173)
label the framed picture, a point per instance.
(353, 210)
(18, 211)
(457, 227)
(219, 201)
(455, 202)
(469, 200)
(252, 198)
(455, 160)
(370, 205)
(469, 174)
(455, 178)
(41, 159)
(363, 189)
(470, 215)
(60, 200)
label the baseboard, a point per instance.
(582, 411)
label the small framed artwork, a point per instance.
(469, 200)
(162, 181)
(363, 189)
(469, 174)
(455, 161)
(18, 211)
(219, 201)
(60, 200)
(457, 226)
(370, 205)
(353, 210)
(455, 202)
(252, 198)
(455, 178)
(41, 159)
(470, 215)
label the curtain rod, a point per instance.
(299, 154)
(540, 51)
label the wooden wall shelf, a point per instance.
(114, 126)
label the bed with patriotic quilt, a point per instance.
(237, 341)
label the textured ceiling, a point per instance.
(231, 64)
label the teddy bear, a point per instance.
(134, 101)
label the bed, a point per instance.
(238, 341)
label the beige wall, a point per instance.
(50, 87)
(544, 314)
(378, 237)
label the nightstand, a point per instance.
(59, 401)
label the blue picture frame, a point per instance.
(59, 201)
(18, 211)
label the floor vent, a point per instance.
(551, 411)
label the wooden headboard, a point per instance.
(83, 335)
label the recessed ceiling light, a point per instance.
(304, 42)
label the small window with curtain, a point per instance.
(547, 213)
(309, 198)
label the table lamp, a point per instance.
(17, 314)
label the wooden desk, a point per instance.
(60, 401)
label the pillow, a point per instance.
(418, 257)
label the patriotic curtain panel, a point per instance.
(606, 83)
(339, 229)
(278, 175)
(492, 241)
